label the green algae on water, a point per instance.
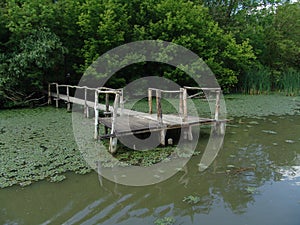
(37, 144)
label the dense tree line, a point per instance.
(249, 45)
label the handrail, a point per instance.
(119, 100)
(182, 100)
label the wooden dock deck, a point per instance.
(122, 122)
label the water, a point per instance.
(255, 179)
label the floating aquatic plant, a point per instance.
(191, 199)
(165, 221)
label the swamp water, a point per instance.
(255, 178)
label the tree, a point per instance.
(22, 71)
(182, 22)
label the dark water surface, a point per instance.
(255, 179)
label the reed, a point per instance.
(290, 82)
(257, 81)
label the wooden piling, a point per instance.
(122, 101)
(68, 100)
(113, 140)
(57, 95)
(181, 102)
(85, 107)
(158, 106)
(184, 104)
(150, 100)
(163, 137)
(106, 111)
(217, 105)
(190, 133)
(49, 94)
(96, 132)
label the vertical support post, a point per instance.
(68, 100)
(106, 110)
(190, 133)
(217, 105)
(57, 95)
(85, 107)
(113, 140)
(49, 94)
(122, 101)
(96, 133)
(106, 102)
(181, 102)
(158, 106)
(163, 137)
(150, 100)
(184, 104)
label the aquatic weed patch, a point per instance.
(144, 158)
(37, 144)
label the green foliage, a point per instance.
(23, 70)
(257, 81)
(143, 158)
(181, 22)
(290, 82)
(102, 25)
(42, 41)
(192, 199)
(165, 221)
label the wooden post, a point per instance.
(106, 111)
(158, 106)
(181, 102)
(190, 133)
(184, 104)
(49, 94)
(122, 101)
(57, 95)
(106, 102)
(113, 140)
(150, 100)
(163, 137)
(68, 100)
(85, 107)
(96, 133)
(217, 105)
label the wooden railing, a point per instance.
(217, 99)
(183, 96)
(112, 110)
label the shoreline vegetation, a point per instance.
(38, 144)
(251, 46)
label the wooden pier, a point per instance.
(121, 122)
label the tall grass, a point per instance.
(289, 82)
(257, 81)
